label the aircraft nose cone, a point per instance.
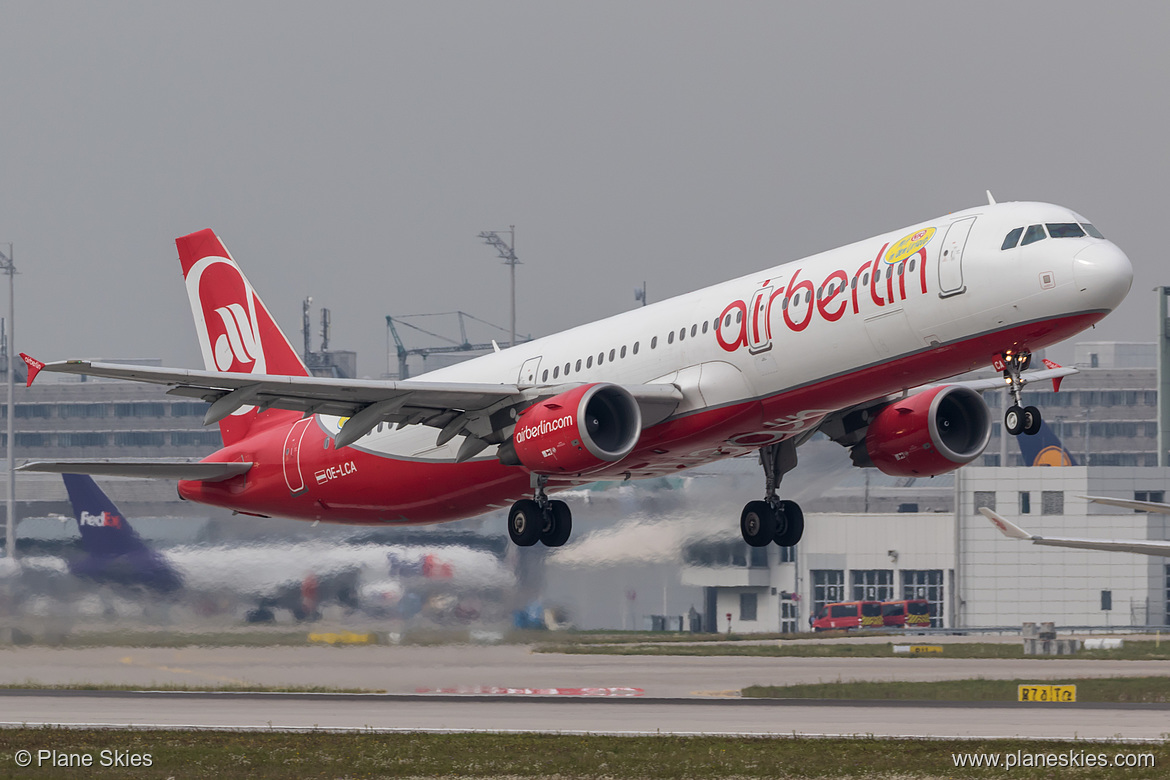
(1103, 272)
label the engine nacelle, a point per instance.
(577, 432)
(929, 433)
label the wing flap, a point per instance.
(203, 472)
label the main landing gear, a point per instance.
(1019, 419)
(540, 519)
(773, 519)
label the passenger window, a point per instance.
(807, 297)
(544, 377)
(611, 352)
(853, 284)
(682, 334)
(635, 347)
(623, 352)
(694, 330)
(654, 340)
(739, 316)
(1012, 238)
(556, 371)
(578, 366)
(1033, 234)
(865, 279)
(727, 321)
(901, 268)
(1065, 230)
(670, 337)
(589, 362)
(567, 365)
(1092, 231)
(601, 358)
(912, 264)
(704, 326)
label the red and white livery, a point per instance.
(853, 342)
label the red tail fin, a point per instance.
(236, 332)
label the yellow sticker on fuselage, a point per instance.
(908, 245)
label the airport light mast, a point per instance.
(8, 267)
(508, 253)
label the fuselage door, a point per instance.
(950, 258)
(292, 456)
(529, 371)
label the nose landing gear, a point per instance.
(1019, 419)
(773, 519)
(540, 519)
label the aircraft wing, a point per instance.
(455, 407)
(1141, 546)
(996, 382)
(1124, 503)
(156, 469)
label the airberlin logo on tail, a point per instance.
(886, 279)
(225, 308)
(239, 342)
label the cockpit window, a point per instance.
(1012, 238)
(1033, 234)
(1065, 230)
(1092, 231)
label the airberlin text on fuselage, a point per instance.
(838, 294)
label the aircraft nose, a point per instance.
(1103, 272)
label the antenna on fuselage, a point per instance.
(990, 198)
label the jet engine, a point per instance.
(577, 432)
(928, 433)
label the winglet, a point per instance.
(1056, 380)
(1008, 528)
(34, 368)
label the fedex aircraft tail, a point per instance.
(236, 332)
(114, 552)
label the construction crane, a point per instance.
(452, 346)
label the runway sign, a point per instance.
(1048, 693)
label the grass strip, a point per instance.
(1142, 650)
(35, 685)
(227, 755)
(1129, 690)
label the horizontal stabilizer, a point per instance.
(154, 469)
(1137, 506)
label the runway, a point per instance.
(524, 691)
(560, 715)
(410, 669)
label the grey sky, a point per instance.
(352, 151)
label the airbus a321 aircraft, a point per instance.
(837, 342)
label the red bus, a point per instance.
(908, 613)
(848, 614)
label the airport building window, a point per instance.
(1025, 502)
(1157, 496)
(78, 439)
(788, 554)
(140, 409)
(984, 498)
(758, 557)
(33, 411)
(828, 586)
(1106, 600)
(199, 438)
(1168, 594)
(188, 410)
(30, 439)
(138, 439)
(747, 606)
(789, 613)
(873, 584)
(1052, 502)
(1012, 238)
(925, 584)
(69, 411)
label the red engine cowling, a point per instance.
(929, 433)
(579, 431)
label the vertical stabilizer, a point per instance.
(235, 330)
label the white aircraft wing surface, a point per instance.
(450, 406)
(1141, 546)
(1124, 503)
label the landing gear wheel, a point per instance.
(1013, 420)
(1032, 420)
(790, 525)
(558, 524)
(525, 523)
(758, 523)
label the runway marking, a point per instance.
(489, 690)
(731, 693)
(129, 661)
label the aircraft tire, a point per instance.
(790, 527)
(1032, 420)
(1013, 420)
(757, 523)
(525, 523)
(561, 527)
